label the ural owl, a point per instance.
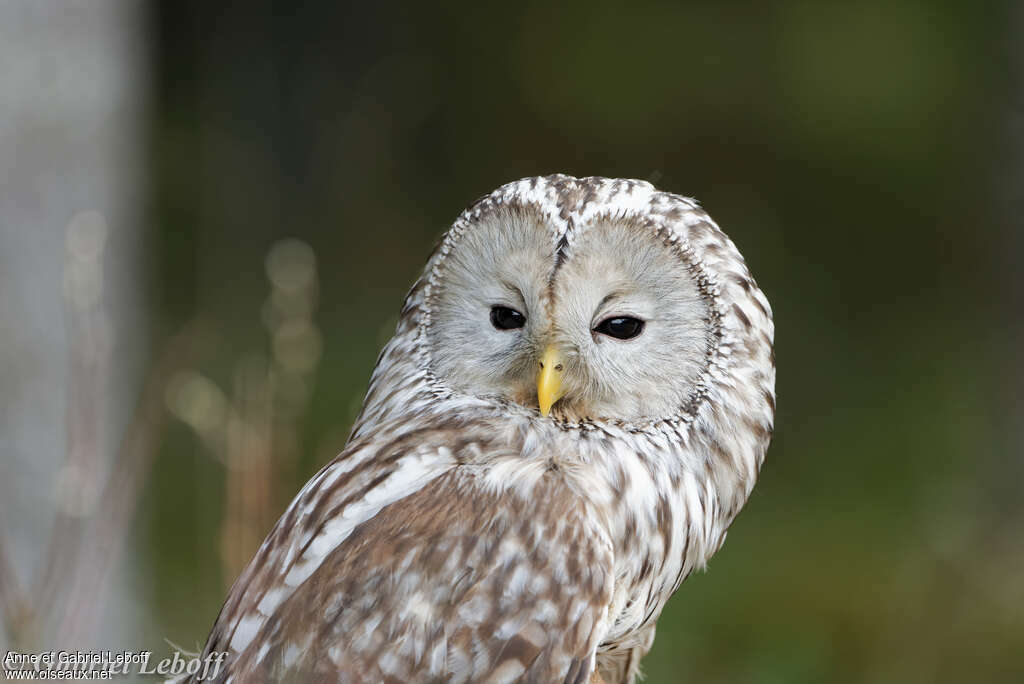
(574, 407)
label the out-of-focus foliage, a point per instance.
(857, 153)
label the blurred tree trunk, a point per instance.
(72, 93)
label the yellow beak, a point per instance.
(549, 380)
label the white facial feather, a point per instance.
(566, 285)
(502, 262)
(621, 268)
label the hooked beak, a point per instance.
(549, 379)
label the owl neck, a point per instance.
(693, 472)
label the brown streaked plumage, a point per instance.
(465, 535)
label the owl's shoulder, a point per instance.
(440, 537)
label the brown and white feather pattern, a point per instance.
(463, 538)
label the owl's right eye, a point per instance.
(504, 318)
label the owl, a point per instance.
(574, 406)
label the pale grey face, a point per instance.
(614, 311)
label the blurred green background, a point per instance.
(866, 158)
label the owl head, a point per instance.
(585, 299)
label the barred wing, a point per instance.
(412, 562)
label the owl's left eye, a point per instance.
(504, 318)
(621, 328)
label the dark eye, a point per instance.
(504, 318)
(620, 328)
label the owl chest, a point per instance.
(655, 515)
(657, 543)
(643, 581)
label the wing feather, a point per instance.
(402, 561)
